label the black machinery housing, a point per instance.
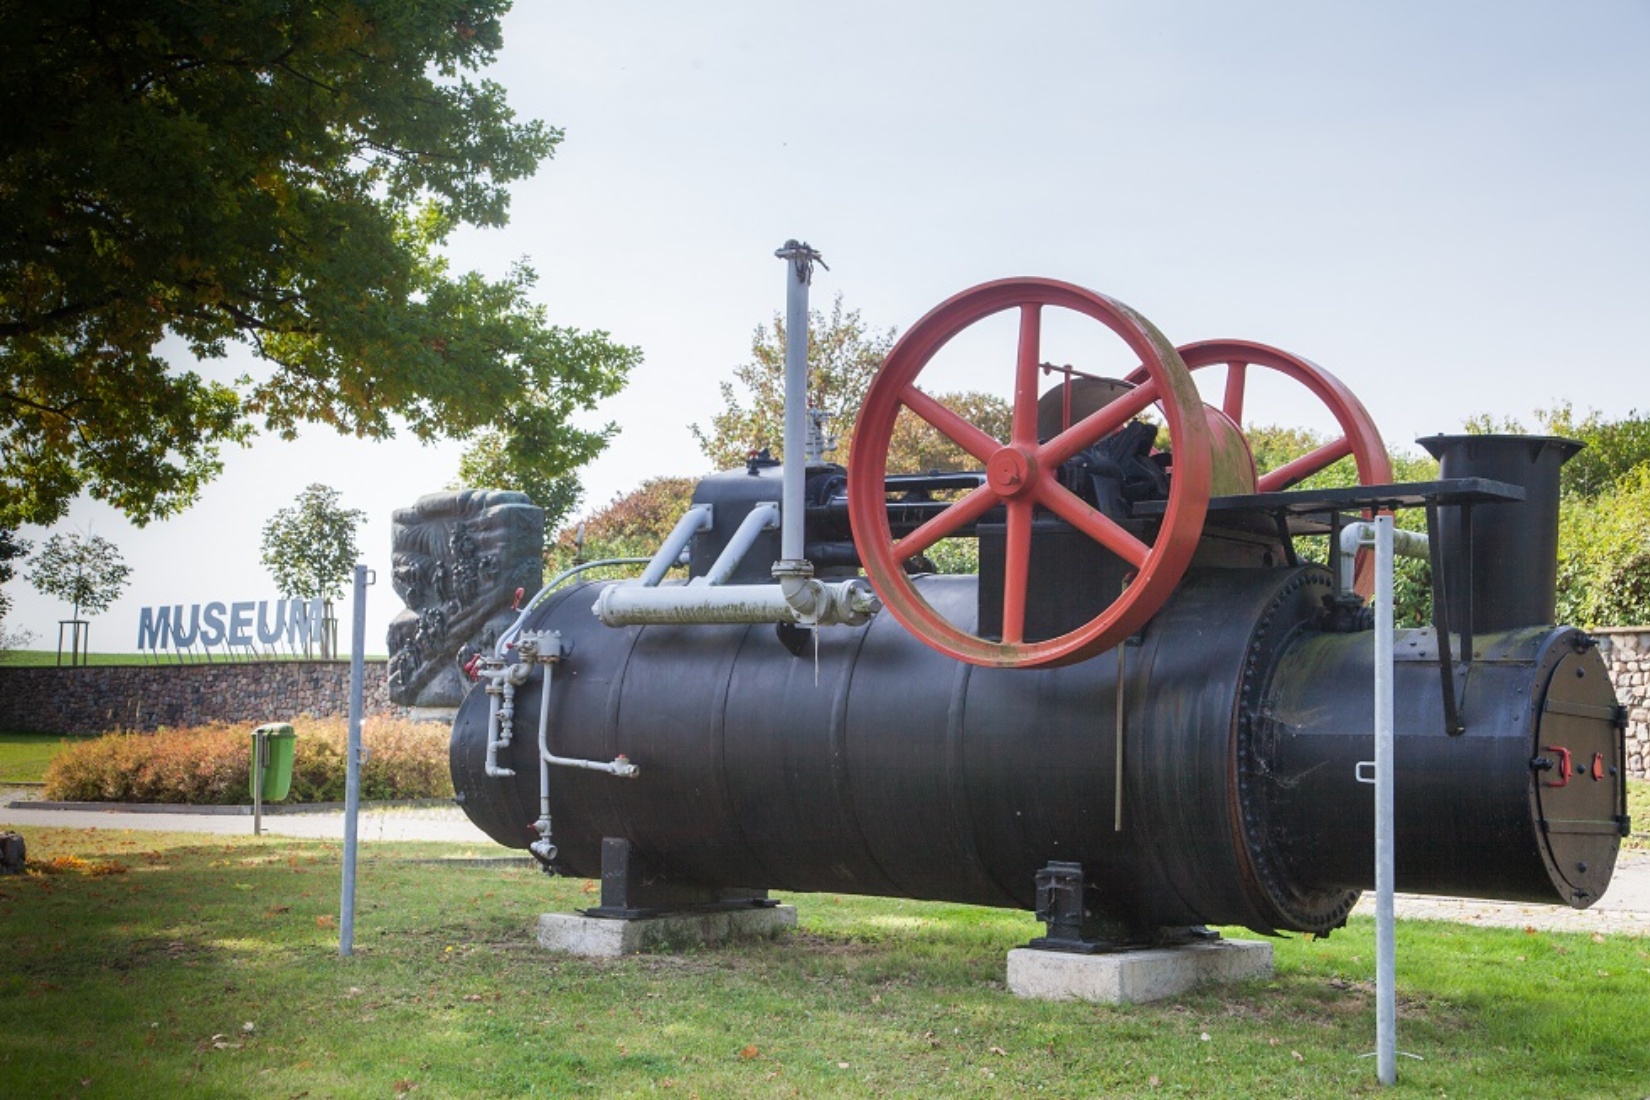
(865, 762)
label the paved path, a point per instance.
(1624, 908)
(443, 823)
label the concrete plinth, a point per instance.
(597, 937)
(1134, 977)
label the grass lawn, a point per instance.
(1638, 808)
(24, 756)
(184, 966)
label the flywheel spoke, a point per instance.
(1102, 529)
(1305, 466)
(1016, 571)
(949, 424)
(960, 514)
(1097, 425)
(1231, 403)
(1025, 374)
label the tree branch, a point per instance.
(55, 410)
(11, 330)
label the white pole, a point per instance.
(352, 761)
(799, 263)
(258, 781)
(1386, 1014)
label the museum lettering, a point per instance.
(266, 622)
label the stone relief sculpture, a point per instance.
(459, 558)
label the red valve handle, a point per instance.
(1565, 766)
(515, 604)
(470, 667)
(1021, 474)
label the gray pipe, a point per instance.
(1386, 1015)
(1405, 544)
(798, 273)
(694, 520)
(352, 760)
(763, 517)
(509, 636)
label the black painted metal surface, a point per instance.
(878, 766)
(1501, 560)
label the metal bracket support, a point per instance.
(1061, 905)
(1453, 724)
(633, 888)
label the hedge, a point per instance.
(210, 764)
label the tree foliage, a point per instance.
(11, 549)
(272, 174)
(631, 525)
(916, 446)
(309, 547)
(1603, 514)
(843, 356)
(1604, 554)
(85, 570)
(490, 462)
(1613, 448)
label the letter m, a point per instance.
(155, 628)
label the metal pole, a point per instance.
(352, 760)
(1386, 1013)
(1117, 761)
(258, 781)
(799, 263)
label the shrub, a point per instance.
(210, 764)
(1604, 554)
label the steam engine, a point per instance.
(1145, 695)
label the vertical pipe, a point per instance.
(1117, 753)
(1386, 1018)
(544, 754)
(352, 761)
(798, 259)
(258, 782)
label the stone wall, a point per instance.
(1627, 651)
(99, 698)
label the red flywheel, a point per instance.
(1021, 474)
(1359, 437)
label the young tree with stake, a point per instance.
(309, 549)
(85, 570)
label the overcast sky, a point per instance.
(1447, 205)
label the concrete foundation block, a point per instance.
(1134, 977)
(598, 937)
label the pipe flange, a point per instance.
(793, 569)
(1317, 911)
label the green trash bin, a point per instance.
(279, 744)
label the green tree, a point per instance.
(85, 570)
(1614, 448)
(917, 447)
(1604, 553)
(309, 549)
(11, 549)
(490, 462)
(631, 525)
(1603, 514)
(843, 356)
(274, 174)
